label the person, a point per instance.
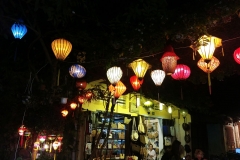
(198, 154)
(167, 153)
(151, 153)
(176, 151)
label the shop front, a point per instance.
(134, 127)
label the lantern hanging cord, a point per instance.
(15, 154)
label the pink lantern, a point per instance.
(236, 55)
(181, 72)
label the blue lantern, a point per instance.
(77, 71)
(18, 30)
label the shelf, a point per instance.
(111, 148)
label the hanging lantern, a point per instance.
(114, 74)
(139, 67)
(55, 145)
(81, 99)
(73, 105)
(64, 113)
(181, 72)
(136, 83)
(89, 95)
(42, 138)
(118, 90)
(61, 48)
(21, 131)
(236, 55)
(81, 84)
(18, 30)
(206, 47)
(158, 76)
(77, 71)
(169, 61)
(208, 68)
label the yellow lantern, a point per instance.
(64, 112)
(208, 68)
(139, 67)
(206, 46)
(61, 48)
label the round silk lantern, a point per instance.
(236, 55)
(169, 61)
(136, 83)
(117, 90)
(77, 71)
(18, 30)
(81, 84)
(181, 72)
(61, 48)
(114, 74)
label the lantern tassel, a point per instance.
(21, 141)
(181, 93)
(222, 51)
(193, 55)
(209, 83)
(58, 78)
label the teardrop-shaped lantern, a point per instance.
(169, 61)
(139, 67)
(77, 71)
(114, 74)
(18, 30)
(136, 83)
(181, 72)
(158, 76)
(207, 46)
(236, 55)
(208, 68)
(118, 90)
(61, 48)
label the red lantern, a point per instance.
(21, 131)
(181, 72)
(236, 55)
(118, 90)
(81, 84)
(169, 61)
(89, 95)
(81, 99)
(136, 83)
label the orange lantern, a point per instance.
(81, 99)
(118, 90)
(169, 61)
(89, 95)
(61, 48)
(208, 68)
(135, 82)
(64, 112)
(73, 105)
